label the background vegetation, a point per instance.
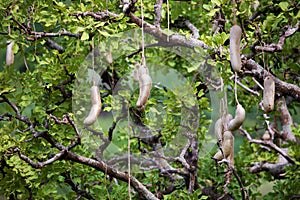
(47, 153)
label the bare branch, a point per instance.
(245, 87)
(37, 165)
(193, 28)
(98, 15)
(53, 45)
(174, 40)
(269, 144)
(100, 165)
(279, 46)
(275, 169)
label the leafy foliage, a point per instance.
(43, 80)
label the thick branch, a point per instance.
(281, 86)
(157, 11)
(100, 165)
(97, 15)
(174, 40)
(275, 169)
(286, 121)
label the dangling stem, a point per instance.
(143, 37)
(234, 12)
(93, 61)
(235, 88)
(128, 152)
(168, 17)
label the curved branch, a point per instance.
(281, 86)
(174, 40)
(123, 176)
(37, 165)
(269, 144)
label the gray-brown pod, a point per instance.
(9, 53)
(95, 108)
(238, 119)
(227, 147)
(269, 93)
(145, 85)
(234, 47)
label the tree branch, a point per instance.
(286, 121)
(269, 144)
(100, 165)
(195, 31)
(75, 187)
(279, 46)
(281, 86)
(174, 40)
(157, 11)
(98, 15)
(37, 165)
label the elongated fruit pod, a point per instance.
(238, 119)
(9, 53)
(269, 94)
(219, 127)
(145, 83)
(227, 147)
(235, 38)
(219, 130)
(95, 108)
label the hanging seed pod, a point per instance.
(227, 147)
(95, 108)
(9, 53)
(234, 47)
(145, 85)
(219, 127)
(269, 94)
(145, 82)
(238, 119)
(266, 135)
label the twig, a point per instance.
(280, 86)
(75, 187)
(245, 87)
(37, 165)
(269, 144)
(195, 31)
(279, 46)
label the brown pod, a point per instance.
(9, 53)
(234, 47)
(95, 108)
(238, 119)
(219, 127)
(269, 93)
(227, 146)
(219, 130)
(145, 82)
(266, 135)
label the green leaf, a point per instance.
(284, 5)
(84, 36)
